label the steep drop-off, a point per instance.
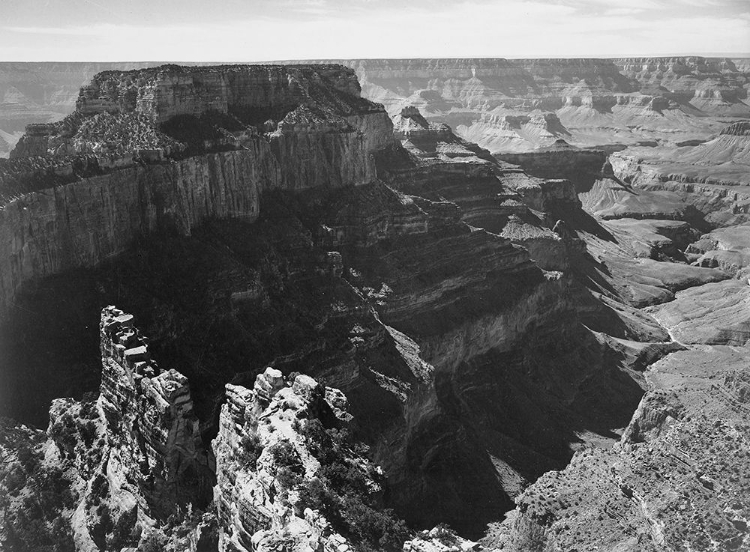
(242, 259)
(324, 135)
(479, 324)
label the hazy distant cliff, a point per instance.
(523, 104)
(481, 98)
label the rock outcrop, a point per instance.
(120, 465)
(151, 412)
(677, 479)
(272, 454)
(82, 223)
(323, 135)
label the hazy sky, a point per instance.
(249, 30)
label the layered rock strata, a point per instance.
(83, 223)
(260, 505)
(677, 479)
(320, 133)
(151, 411)
(114, 468)
(521, 105)
(437, 165)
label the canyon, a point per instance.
(395, 304)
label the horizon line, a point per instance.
(710, 55)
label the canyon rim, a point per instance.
(366, 302)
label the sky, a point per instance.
(266, 30)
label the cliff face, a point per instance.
(82, 223)
(120, 464)
(42, 93)
(711, 84)
(320, 134)
(167, 91)
(150, 410)
(521, 105)
(673, 481)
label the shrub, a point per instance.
(155, 542)
(28, 459)
(285, 455)
(289, 466)
(99, 488)
(250, 450)
(102, 526)
(126, 532)
(64, 432)
(88, 433)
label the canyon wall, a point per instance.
(171, 90)
(321, 134)
(83, 223)
(520, 105)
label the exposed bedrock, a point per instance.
(725, 248)
(150, 410)
(716, 313)
(435, 164)
(273, 448)
(111, 469)
(489, 333)
(711, 177)
(170, 90)
(677, 479)
(82, 223)
(581, 167)
(521, 105)
(53, 219)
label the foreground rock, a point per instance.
(288, 477)
(119, 467)
(678, 479)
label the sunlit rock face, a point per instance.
(84, 222)
(151, 413)
(318, 133)
(677, 478)
(522, 105)
(261, 493)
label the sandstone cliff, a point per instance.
(323, 134)
(85, 222)
(473, 316)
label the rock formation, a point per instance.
(324, 135)
(151, 411)
(275, 469)
(520, 105)
(344, 292)
(120, 464)
(677, 479)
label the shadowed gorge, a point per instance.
(288, 317)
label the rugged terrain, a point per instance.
(369, 326)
